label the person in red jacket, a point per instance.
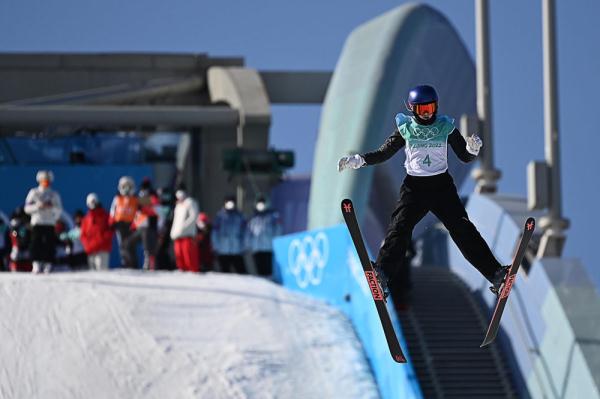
(96, 234)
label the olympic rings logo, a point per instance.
(307, 258)
(426, 133)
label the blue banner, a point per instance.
(324, 264)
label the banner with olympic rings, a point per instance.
(323, 263)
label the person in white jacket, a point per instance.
(45, 207)
(183, 232)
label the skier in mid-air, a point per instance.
(428, 187)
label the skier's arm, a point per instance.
(391, 145)
(459, 145)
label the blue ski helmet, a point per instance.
(423, 100)
(422, 94)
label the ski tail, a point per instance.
(508, 284)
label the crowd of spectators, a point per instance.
(166, 227)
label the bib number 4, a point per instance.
(427, 161)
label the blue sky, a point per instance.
(309, 35)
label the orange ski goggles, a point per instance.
(422, 109)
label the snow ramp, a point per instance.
(127, 334)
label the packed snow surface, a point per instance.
(127, 334)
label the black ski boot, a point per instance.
(381, 279)
(499, 279)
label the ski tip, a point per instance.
(347, 206)
(530, 224)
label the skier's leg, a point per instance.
(409, 211)
(451, 212)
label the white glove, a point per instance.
(351, 161)
(474, 143)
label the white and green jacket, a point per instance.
(426, 146)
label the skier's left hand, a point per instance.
(474, 144)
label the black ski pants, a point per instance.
(438, 194)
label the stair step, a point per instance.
(451, 326)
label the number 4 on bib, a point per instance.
(427, 161)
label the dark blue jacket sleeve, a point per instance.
(391, 145)
(459, 145)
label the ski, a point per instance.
(376, 291)
(508, 283)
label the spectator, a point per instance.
(262, 228)
(61, 258)
(205, 249)
(164, 212)
(183, 232)
(145, 230)
(227, 237)
(4, 242)
(20, 240)
(44, 206)
(122, 213)
(96, 234)
(76, 256)
(146, 190)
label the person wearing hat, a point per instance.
(183, 232)
(262, 227)
(96, 234)
(227, 237)
(122, 212)
(164, 212)
(144, 227)
(428, 187)
(44, 206)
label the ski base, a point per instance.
(509, 282)
(376, 291)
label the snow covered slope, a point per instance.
(172, 335)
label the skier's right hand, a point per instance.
(351, 161)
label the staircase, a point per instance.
(444, 327)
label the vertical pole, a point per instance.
(553, 224)
(486, 176)
(240, 192)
